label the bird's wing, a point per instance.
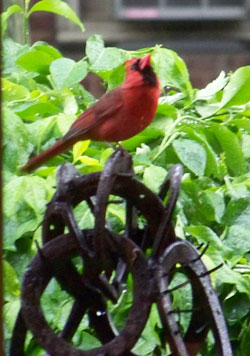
(107, 106)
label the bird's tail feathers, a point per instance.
(36, 161)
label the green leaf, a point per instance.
(116, 78)
(35, 61)
(191, 154)
(58, 7)
(84, 98)
(205, 109)
(11, 284)
(108, 59)
(231, 146)
(238, 189)
(12, 195)
(153, 177)
(89, 161)
(89, 341)
(236, 307)
(163, 124)
(16, 148)
(196, 134)
(66, 72)
(245, 339)
(228, 276)
(38, 109)
(64, 121)
(105, 155)
(212, 205)
(70, 106)
(243, 123)
(149, 134)
(142, 156)
(212, 88)
(84, 216)
(117, 211)
(10, 311)
(9, 234)
(45, 47)
(27, 226)
(237, 90)
(25, 200)
(35, 194)
(204, 234)
(29, 189)
(172, 70)
(246, 146)
(6, 14)
(13, 91)
(54, 302)
(94, 47)
(10, 52)
(79, 148)
(167, 110)
(145, 345)
(106, 62)
(181, 299)
(237, 243)
(171, 99)
(238, 213)
(45, 130)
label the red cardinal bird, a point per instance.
(118, 115)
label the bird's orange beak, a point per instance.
(145, 62)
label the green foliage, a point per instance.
(5, 15)
(206, 130)
(58, 7)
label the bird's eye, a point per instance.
(136, 66)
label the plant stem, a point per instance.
(26, 30)
(169, 137)
(26, 21)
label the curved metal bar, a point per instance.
(119, 162)
(76, 314)
(37, 277)
(172, 183)
(18, 336)
(126, 187)
(206, 302)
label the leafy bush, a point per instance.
(206, 130)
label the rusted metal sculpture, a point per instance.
(106, 252)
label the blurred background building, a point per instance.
(210, 35)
